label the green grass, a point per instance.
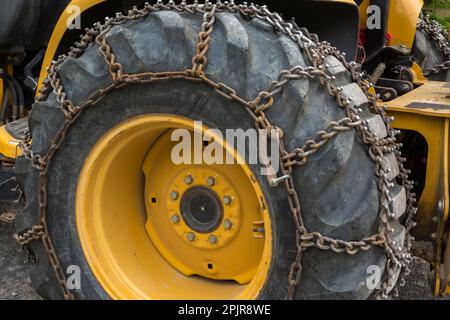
(439, 10)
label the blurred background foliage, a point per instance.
(439, 10)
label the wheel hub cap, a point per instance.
(201, 209)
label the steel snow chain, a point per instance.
(437, 33)
(316, 52)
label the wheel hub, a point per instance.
(204, 215)
(196, 217)
(201, 209)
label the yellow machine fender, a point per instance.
(403, 16)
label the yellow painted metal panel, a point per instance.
(9, 146)
(426, 110)
(433, 98)
(403, 15)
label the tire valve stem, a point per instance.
(276, 181)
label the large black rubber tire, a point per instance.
(338, 188)
(428, 54)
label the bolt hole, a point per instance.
(154, 200)
(210, 266)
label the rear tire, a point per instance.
(338, 188)
(428, 54)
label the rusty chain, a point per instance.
(315, 51)
(7, 217)
(437, 33)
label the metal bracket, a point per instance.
(30, 80)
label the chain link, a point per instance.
(35, 233)
(7, 217)
(200, 60)
(316, 52)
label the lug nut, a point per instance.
(175, 219)
(191, 236)
(188, 179)
(212, 239)
(227, 224)
(210, 181)
(227, 200)
(174, 195)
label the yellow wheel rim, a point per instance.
(140, 228)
